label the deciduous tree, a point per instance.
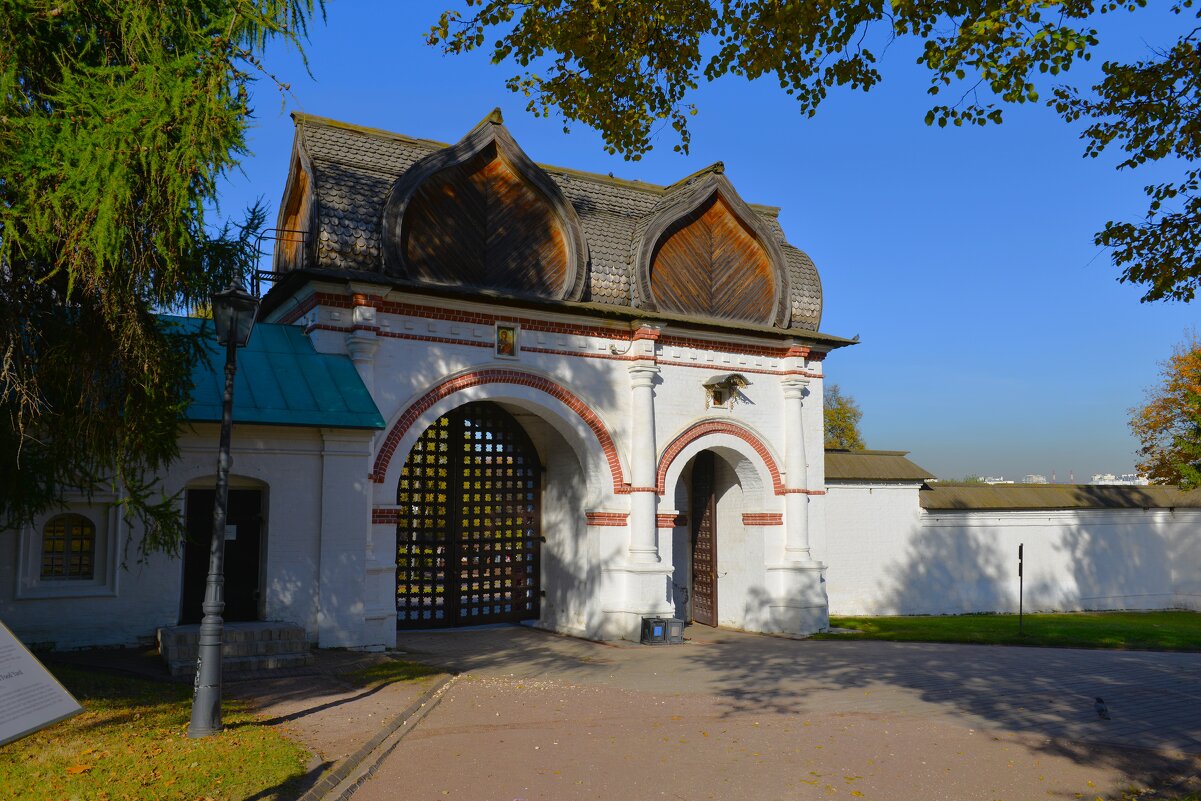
(841, 420)
(117, 120)
(626, 68)
(1168, 425)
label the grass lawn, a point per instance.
(390, 672)
(1155, 631)
(130, 742)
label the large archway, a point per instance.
(469, 532)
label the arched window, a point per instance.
(68, 548)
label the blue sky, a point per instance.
(995, 338)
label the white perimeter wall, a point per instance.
(887, 556)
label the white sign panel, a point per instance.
(30, 698)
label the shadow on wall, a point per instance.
(1121, 566)
(1076, 560)
(949, 570)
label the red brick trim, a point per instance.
(717, 427)
(382, 515)
(574, 329)
(671, 521)
(606, 518)
(769, 351)
(583, 354)
(713, 366)
(497, 376)
(646, 332)
(796, 491)
(640, 489)
(762, 519)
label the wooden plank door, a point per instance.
(704, 541)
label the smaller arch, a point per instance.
(432, 401)
(733, 436)
(480, 213)
(712, 195)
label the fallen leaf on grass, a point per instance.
(75, 770)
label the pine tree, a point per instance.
(117, 120)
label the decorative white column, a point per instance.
(644, 544)
(796, 499)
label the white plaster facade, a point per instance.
(606, 561)
(889, 556)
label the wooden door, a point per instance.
(243, 547)
(704, 541)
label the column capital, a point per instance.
(361, 345)
(642, 373)
(794, 386)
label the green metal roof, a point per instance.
(281, 380)
(865, 465)
(977, 497)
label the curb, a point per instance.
(337, 784)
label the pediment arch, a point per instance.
(706, 253)
(480, 214)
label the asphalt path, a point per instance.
(732, 715)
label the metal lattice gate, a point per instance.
(467, 543)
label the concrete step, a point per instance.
(246, 647)
(235, 665)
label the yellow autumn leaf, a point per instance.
(75, 770)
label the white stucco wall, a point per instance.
(417, 344)
(287, 463)
(890, 557)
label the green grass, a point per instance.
(1154, 631)
(130, 742)
(390, 672)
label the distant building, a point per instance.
(995, 480)
(1034, 478)
(1123, 480)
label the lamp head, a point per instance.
(234, 312)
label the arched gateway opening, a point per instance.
(468, 540)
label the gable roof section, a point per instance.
(864, 465)
(281, 380)
(355, 169)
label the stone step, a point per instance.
(246, 647)
(234, 665)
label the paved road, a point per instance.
(732, 715)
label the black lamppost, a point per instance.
(234, 311)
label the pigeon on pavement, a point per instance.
(1102, 709)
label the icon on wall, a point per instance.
(506, 340)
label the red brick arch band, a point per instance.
(461, 382)
(717, 427)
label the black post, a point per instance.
(1020, 591)
(206, 698)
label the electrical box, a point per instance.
(654, 631)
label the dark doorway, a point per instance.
(243, 549)
(468, 541)
(703, 520)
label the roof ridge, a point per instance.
(495, 117)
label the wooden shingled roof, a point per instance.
(350, 188)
